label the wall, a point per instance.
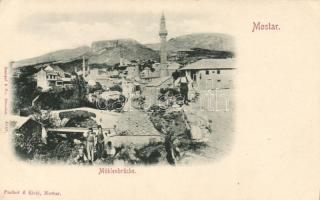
(135, 139)
(204, 81)
(42, 80)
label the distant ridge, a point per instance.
(109, 52)
(210, 41)
(101, 52)
(64, 54)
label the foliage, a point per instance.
(94, 88)
(151, 153)
(79, 118)
(112, 104)
(64, 97)
(138, 102)
(30, 110)
(146, 63)
(116, 87)
(24, 91)
(27, 145)
(63, 150)
(166, 93)
(76, 114)
(81, 122)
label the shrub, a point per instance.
(116, 88)
(76, 114)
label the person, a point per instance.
(81, 157)
(111, 151)
(184, 81)
(90, 144)
(100, 142)
(175, 75)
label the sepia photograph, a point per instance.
(124, 101)
(160, 100)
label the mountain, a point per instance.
(109, 52)
(106, 52)
(210, 41)
(65, 54)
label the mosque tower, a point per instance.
(163, 47)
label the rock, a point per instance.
(196, 133)
(75, 141)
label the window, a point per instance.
(219, 80)
(213, 71)
(207, 72)
(218, 71)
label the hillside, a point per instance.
(210, 41)
(101, 52)
(65, 54)
(109, 52)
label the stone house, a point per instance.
(210, 74)
(50, 75)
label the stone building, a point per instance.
(51, 75)
(210, 74)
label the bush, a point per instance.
(116, 88)
(27, 145)
(64, 97)
(81, 122)
(76, 114)
(94, 88)
(24, 91)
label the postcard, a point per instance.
(160, 100)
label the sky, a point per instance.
(34, 29)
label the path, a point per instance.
(136, 122)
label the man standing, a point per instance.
(175, 75)
(100, 142)
(184, 87)
(90, 144)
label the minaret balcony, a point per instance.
(163, 33)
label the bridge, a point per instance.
(74, 130)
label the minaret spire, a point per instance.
(163, 46)
(163, 30)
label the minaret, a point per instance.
(163, 47)
(83, 66)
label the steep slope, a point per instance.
(109, 52)
(210, 41)
(101, 52)
(65, 54)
